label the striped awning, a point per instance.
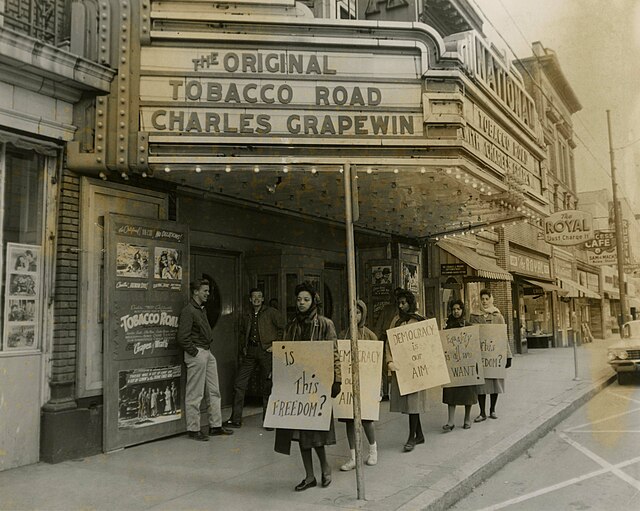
(576, 290)
(483, 266)
(547, 287)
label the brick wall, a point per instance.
(66, 289)
(502, 290)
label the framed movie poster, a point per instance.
(146, 287)
(23, 281)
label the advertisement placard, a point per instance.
(146, 286)
(493, 345)
(302, 379)
(370, 366)
(418, 356)
(570, 227)
(462, 352)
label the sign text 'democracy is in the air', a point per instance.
(418, 356)
(370, 366)
(493, 345)
(302, 378)
(462, 352)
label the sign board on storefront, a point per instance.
(146, 287)
(302, 379)
(566, 228)
(453, 269)
(601, 250)
(529, 264)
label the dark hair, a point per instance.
(458, 302)
(485, 291)
(411, 300)
(196, 284)
(309, 288)
(255, 290)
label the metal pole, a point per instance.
(575, 342)
(353, 327)
(617, 215)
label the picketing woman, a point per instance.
(310, 325)
(465, 395)
(364, 334)
(415, 403)
(489, 314)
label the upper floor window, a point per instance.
(46, 20)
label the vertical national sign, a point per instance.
(418, 356)
(146, 285)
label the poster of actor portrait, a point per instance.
(149, 396)
(21, 310)
(168, 263)
(132, 261)
(20, 336)
(381, 275)
(410, 277)
(23, 258)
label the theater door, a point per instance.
(223, 309)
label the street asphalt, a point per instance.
(242, 472)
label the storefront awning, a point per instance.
(484, 266)
(612, 295)
(576, 290)
(548, 287)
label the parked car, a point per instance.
(624, 355)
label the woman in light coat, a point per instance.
(489, 314)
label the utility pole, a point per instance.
(617, 215)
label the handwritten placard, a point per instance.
(418, 356)
(302, 379)
(493, 346)
(462, 352)
(370, 366)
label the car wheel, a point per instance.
(624, 378)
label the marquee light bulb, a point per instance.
(167, 169)
(227, 169)
(198, 170)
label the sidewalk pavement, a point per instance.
(242, 472)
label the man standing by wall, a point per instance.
(262, 326)
(195, 337)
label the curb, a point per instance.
(476, 471)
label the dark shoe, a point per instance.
(448, 428)
(326, 480)
(198, 435)
(493, 415)
(467, 425)
(232, 424)
(304, 484)
(268, 429)
(420, 439)
(408, 447)
(220, 431)
(480, 418)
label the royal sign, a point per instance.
(566, 228)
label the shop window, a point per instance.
(22, 217)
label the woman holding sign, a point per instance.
(415, 403)
(465, 395)
(364, 334)
(309, 325)
(492, 386)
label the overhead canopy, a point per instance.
(576, 290)
(547, 287)
(483, 266)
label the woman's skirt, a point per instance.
(491, 386)
(416, 402)
(466, 395)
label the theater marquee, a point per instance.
(270, 93)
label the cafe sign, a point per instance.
(566, 228)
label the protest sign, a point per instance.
(493, 346)
(462, 352)
(370, 366)
(302, 379)
(418, 356)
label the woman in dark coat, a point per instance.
(309, 325)
(465, 395)
(415, 403)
